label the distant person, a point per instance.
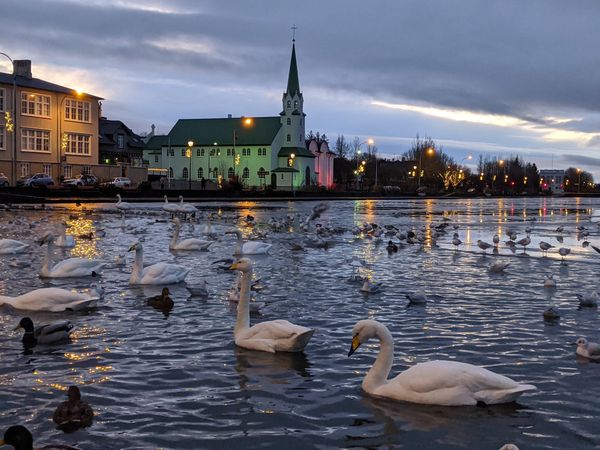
(203, 183)
(162, 184)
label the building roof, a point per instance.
(36, 83)
(205, 132)
(156, 142)
(298, 151)
(108, 128)
(293, 85)
(285, 169)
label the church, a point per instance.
(259, 152)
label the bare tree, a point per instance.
(342, 147)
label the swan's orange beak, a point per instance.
(355, 345)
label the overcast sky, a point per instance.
(504, 77)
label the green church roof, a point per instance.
(156, 142)
(293, 85)
(298, 151)
(206, 132)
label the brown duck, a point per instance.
(162, 301)
(74, 413)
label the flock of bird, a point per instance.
(447, 383)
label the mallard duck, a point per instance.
(162, 301)
(20, 438)
(45, 334)
(74, 413)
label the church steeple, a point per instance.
(293, 85)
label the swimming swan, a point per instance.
(186, 244)
(445, 383)
(250, 247)
(64, 240)
(68, 268)
(53, 300)
(271, 336)
(10, 246)
(159, 273)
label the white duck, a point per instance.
(186, 244)
(271, 336)
(159, 273)
(64, 240)
(445, 383)
(549, 281)
(249, 247)
(53, 300)
(68, 268)
(171, 208)
(11, 247)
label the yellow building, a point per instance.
(55, 128)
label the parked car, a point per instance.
(3, 180)
(81, 180)
(119, 182)
(37, 180)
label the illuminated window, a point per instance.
(78, 111)
(78, 144)
(245, 173)
(184, 174)
(35, 104)
(35, 140)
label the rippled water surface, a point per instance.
(178, 381)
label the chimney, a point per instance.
(229, 116)
(22, 68)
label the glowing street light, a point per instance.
(430, 151)
(188, 153)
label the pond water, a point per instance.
(179, 382)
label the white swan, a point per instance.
(446, 383)
(68, 268)
(159, 273)
(171, 208)
(272, 336)
(186, 208)
(123, 206)
(64, 240)
(186, 244)
(53, 300)
(11, 247)
(249, 247)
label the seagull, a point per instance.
(559, 229)
(496, 240)
(498, 266)
(549, 281)
(589, 350)
(590, 300)
(559, 239)
(524, 242)
(456, 241)
(417, 298)
(545, 246)
(483, 245)
(564, 252)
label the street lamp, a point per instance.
(292, 159)
(188, 153)
(430, 151)
(247, 122)
(579, 181)
(14, 121)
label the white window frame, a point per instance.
(246, 173)
(200, 172)
(48, 169)
(2, 99)
(68, 171)
(120, 141)
(79, 109)
(41, 135)
(155, 158)
(36, 101)
(78, 144)
(2, 137)
(87, 170)
(184, 173)
(25, 171)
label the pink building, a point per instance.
(323, 162)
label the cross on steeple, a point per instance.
(294, 28)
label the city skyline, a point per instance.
(501, 79)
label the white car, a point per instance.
(120, 182)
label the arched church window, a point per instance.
(289, 121)
(246, 173)
(200, 172)
(295, 103)
(289, 104)
(230, 173)
(289, 138)
(185, 173)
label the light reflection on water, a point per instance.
(179, 382)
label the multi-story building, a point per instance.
(257, 151)
(552, 180)
(118, 144)
(45, 127)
